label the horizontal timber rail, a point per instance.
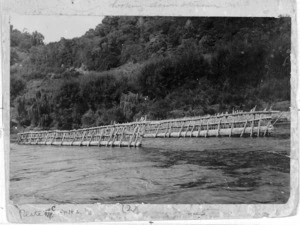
(237, 124)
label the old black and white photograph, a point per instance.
(149, 110)
(153, 110)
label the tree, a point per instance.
(37, 39)
(17, 86)
(69, 106)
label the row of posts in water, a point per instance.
(241, 124)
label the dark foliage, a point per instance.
(129, 67)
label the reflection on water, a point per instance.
(170, 171)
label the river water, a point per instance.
(167, 171)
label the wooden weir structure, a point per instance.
(236, 124)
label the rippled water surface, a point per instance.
(169, 171)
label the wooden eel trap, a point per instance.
(236, 124)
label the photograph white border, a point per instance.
(146, 212)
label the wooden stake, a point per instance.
(129, 143)
(157, 130)
(187, 129)
(101, 135)
(207, 129)
(166, 131)
(115, 135)
(112, 132)
(181, 129)
(193, 129)
(252, 125)
(137, 136)
(53, 138)
(122, 136)
(258, 128)
(37, 138)
(219, 126)
(92, 135)
(74, 137)
(19, 140)
(244, 128)
(143, 132)
(30, 138)
(266, 131)
(170, 130)
(83, 136)
(62, 140)
(232, 125)
(199, 129)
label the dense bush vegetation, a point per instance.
(162, 67)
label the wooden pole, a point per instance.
(46, 137)
(143, 133)
(157, 130)
(92, 135)
(40, 137)
(130, 140)
(166, 131)
(258, 128)
(252, 125)
(193, 129)
(19, 138)
(207, 129)
(74, 137)
(137, 136)
(53, 137)
(199, 129)
(115, 135)
(244, 128)
(62, 140)
(170, 130)
(69, 136)
(83, 136)
(112, 132)
(37, 138)
(232, 126)
(122, 136)
(30, 138)
(219, 126)
(101, 135)
(187, 129)
(266, 131)
(181, 128)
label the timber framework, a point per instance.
(236, 124)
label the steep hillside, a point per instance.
(128, 67)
